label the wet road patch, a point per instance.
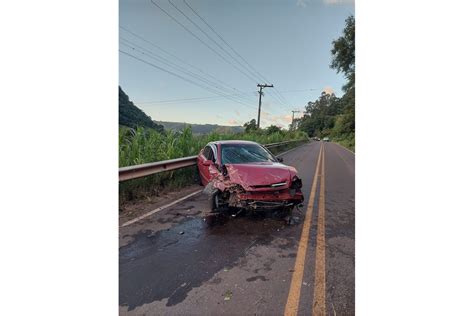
(167, 264)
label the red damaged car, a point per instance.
(245, 175)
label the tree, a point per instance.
(320, 115)
(343, 51)
(250, 126)
(330, 115)
(131, 116)
(273, 129)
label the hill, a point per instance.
(130, 115)
(202, 128)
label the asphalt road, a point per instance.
(183, 261)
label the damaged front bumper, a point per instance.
(280, 195)
(267, 200)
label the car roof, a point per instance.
(219, 142)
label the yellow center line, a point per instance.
(319, 307)
(293, 300)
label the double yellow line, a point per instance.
(319, 306)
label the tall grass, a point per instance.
(146, 145)
(348, 142)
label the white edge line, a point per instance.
(159, 209)
(344, 148)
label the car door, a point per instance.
(205, 160)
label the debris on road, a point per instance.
(227, 296)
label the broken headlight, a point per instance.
(296, 183)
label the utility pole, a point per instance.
(293, 119)
(261, 86)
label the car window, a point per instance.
(210, 156)
(244, 153)
(208, 153)
(205, 152)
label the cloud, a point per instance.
(237, 112)
(328, 90)
(336, 2)
(232, 122)
(282, 120)
(302, 3)
(265, 114)
(286, 118)
(279, 119)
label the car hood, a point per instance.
(258, 175)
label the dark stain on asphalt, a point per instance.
(168, 264)
(266, 266)
(183, 208)
(258, 277)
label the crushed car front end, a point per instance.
(277, 195)
(244, 187)
(247, 176)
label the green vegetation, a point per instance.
(330, 116)
(143, 145)
(250, 126)
(131, 116)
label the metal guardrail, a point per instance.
(138, 171)
(282, 143)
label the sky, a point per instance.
(204, 66)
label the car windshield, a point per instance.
(244, 153)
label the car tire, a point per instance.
(213, 201)
(288, 215)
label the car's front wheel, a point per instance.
(288, 214)
(215, 201)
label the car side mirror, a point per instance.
(280, 159)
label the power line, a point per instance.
(179, 68)
(181, 60)
(181, 77)
(278, 97)
(281, 96)
(197, 99)
(212, 40)
(199, 39)
(302, 90)
(225, 42)
(217, 97)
